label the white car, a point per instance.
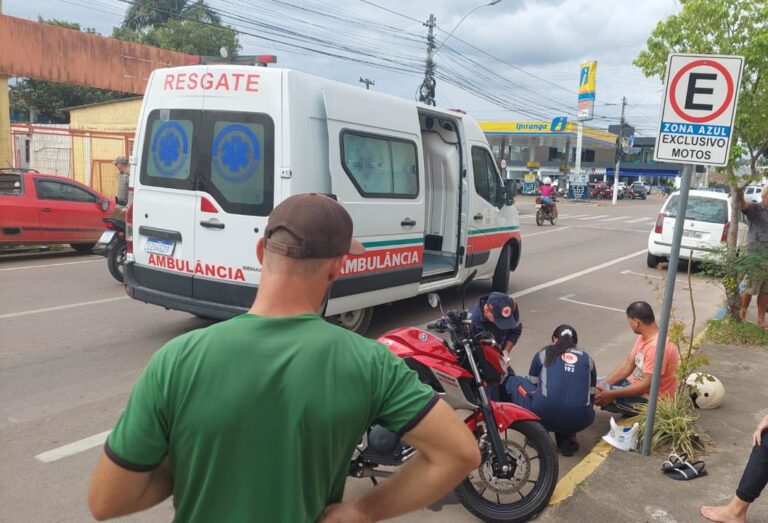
(753, 194)
(707, 220)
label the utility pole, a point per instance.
(427, 89)
(365, 81)
(619, 146)
(6, 153)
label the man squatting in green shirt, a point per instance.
(256, 418)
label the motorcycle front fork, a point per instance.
(501, 464)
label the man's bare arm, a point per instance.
(447, 453)
(115, 491)
(621, 372)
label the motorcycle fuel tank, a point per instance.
(410, 341)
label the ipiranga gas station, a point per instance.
(529, 151)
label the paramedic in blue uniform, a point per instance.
(497, 314)
(560, 388)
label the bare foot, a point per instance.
(762, 324)
(743, 314)
(722, 515)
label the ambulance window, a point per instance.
(240, 161)
(380, 166)
(169, 144)
(487, 181)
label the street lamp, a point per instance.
(464, 18)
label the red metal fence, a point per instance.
(85, 156)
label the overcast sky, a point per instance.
(526, 53)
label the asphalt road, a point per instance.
(72, 344)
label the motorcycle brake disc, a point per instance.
(522, 470)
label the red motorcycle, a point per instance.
(519, 465)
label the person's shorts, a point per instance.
(756, 284)
(547, 200)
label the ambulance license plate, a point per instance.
(157, 246)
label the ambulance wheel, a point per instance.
(356, 321)
(500, 281)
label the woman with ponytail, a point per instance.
(560, 388)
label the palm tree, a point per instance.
(145, 14)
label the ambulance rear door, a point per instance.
(235, 181)
(377, 173)
(164, 196)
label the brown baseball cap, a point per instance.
(322, 227)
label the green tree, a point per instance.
(195, 29)
(728, 27)
(144, 14)
(49, 99)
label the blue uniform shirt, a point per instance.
(569, 381)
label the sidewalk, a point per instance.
(629, 487)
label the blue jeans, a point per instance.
(755, 475)
(625, 406)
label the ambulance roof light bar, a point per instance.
(258, 60)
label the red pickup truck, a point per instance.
(39, 209)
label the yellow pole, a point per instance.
(6, 159)
(5, 119)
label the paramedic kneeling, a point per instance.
(497, 314)
(560, 388)
(630, 382)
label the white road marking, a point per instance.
(558, 281)
(595, 217)
(606, 228)
(654, 276)
(60, 307)
(49, 265)
(638, 220)
(73, 448)
(545, 232)
(615, 218)
(568, 297)
(574, 215)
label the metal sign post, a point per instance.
(697, 118)
(666, 308)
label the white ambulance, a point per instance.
(218, 146)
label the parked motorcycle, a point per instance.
(112, 244)
(519, 465)
(544, 212)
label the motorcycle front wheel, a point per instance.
(115, 261)
(528, 488)
(540, 216)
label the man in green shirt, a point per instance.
(256, 418)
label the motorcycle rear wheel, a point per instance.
(530, 445)
(115, 261)
(552, 219)
(540, 216)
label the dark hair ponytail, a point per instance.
(566, 339)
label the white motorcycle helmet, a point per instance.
(707, 392)
(623, 438)
(547, 181)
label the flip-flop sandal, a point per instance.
(673, 461)
(687, 471)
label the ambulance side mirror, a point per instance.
(510, 192)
